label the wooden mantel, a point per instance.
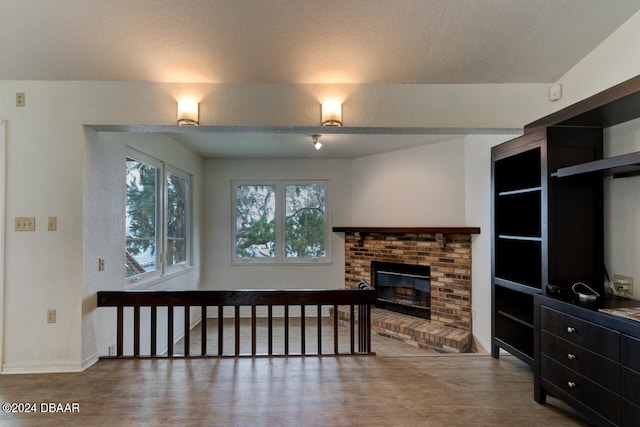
(417, 230)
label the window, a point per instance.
(157, 217)
(177, 224)
(280, 221)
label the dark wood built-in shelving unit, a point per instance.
(548, 233)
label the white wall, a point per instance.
(436, 185)
(219, 273)
(3, 175)
(420, 186)
(104, 227)
(616, 59)
(47, 150)
(622, 208)
(477, 160)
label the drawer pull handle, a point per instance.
(571, 356)
(571, 329)
(571, 384)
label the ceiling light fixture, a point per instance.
(315, 140)
(188, 112)
(331, 113)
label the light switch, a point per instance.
(52, 224)
(25, 223)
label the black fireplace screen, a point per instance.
(404, 288)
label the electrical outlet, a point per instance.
(51, 316)
(623, 284)
(20, 99)
(100, 264)
(112, 350)
(25, 223)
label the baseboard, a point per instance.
(52, 367)
(90, 360)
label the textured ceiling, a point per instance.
(303, 41)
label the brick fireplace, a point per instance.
(447, 252)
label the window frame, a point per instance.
(172, 170)
(280, 257)
(162, 269)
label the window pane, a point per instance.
(141, 217)
(305, 220)
(177, 228)
(255, 231)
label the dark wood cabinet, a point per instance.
(588, 359)
(548, 234)
(539, 224)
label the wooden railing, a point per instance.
(358, 299)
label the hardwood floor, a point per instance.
(401, 386)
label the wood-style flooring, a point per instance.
(400, 386)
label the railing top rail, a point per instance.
(237, 297)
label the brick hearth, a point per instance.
(413, 330)
(448, 256)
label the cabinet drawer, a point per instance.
(631, 353)
(599, 399)
(595, 338)
(631, 386)
(598, 369)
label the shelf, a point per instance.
(618, 167)
(519, 172)
(520, 238)
(516, 318)
(516, 286)
(517, 192)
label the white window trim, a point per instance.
(162, 271)
(280, 258)
(169, 169)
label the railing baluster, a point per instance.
(136, 330)
(203, 331)
(237, 330)
(319, 308)
(286, 330)
(187, 331)
(335, 329)
(302, 330)
(351, 325)
(270, 329)
(154, 330)
(253, 330)
(360, 329)
(220, 329)
(368, 330)
(170, 330)
(120, 331)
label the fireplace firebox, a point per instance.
(404, 288)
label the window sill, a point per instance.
(280, 263)
(153, 281)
